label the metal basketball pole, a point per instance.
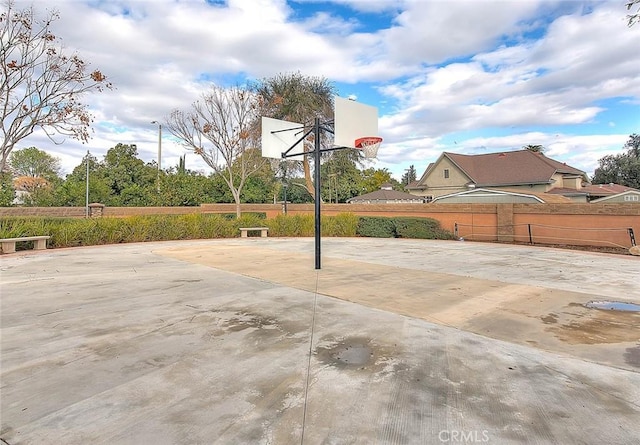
(316, 154)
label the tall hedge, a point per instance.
(70, 232)
(401, 227)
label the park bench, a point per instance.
(244, 230)
(9, 244)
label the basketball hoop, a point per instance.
(369, 145)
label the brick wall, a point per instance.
(574, 223)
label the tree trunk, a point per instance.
(307, 177)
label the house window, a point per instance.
(446, 173)
(631, 198)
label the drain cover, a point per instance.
(613, 306)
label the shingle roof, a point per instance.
(606, 189)
(510, 168)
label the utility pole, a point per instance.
(159, 152)
(86, 209)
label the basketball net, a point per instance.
(369, 146)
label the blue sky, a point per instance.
(461, 76)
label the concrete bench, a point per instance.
(9, 244)
(244, 230)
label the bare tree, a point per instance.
(40, 86)
(222, 128)
(635, 17)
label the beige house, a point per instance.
(520, 172)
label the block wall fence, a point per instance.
(575, 224)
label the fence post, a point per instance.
(530, 237)
(631, 235)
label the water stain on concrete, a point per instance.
(245, 320)
(632, 356)
(359, 353)
(599, 327)
(351, 352)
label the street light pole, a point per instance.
(159, 151)
(86, 209)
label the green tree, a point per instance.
(373, 179)
(132, 182)
(624, 168)
(297, 192)
(37, 173)
(34, 163)
(409, 176)
(534, 148)
(72, 192)
(182, 187)
(340, 177)
(40, 85)
(7, 192)
(295, 97)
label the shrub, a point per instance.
(343, 224)
(292, 225)
(69, 232)
(376, 227)
(420, 228)
(401, 227)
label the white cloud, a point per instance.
(444, 67)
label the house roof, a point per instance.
(625, 193)
(540, 197)
(606, 189)
(385, 195)
(510, 168)
(565, 191)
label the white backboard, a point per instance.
(278, 136)
(353, 120)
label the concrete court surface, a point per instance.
(413, 342)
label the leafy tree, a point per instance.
(184, 188)
(40, 85)
(341, 177)
(262, 185)
(534, 148)
(295, 97)
(7, 192)
(33, 163)
(373, 179)
(297, 192)
(72, 192)
(624, 168)
(221, 127)
(132, 182)
(409, 176)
